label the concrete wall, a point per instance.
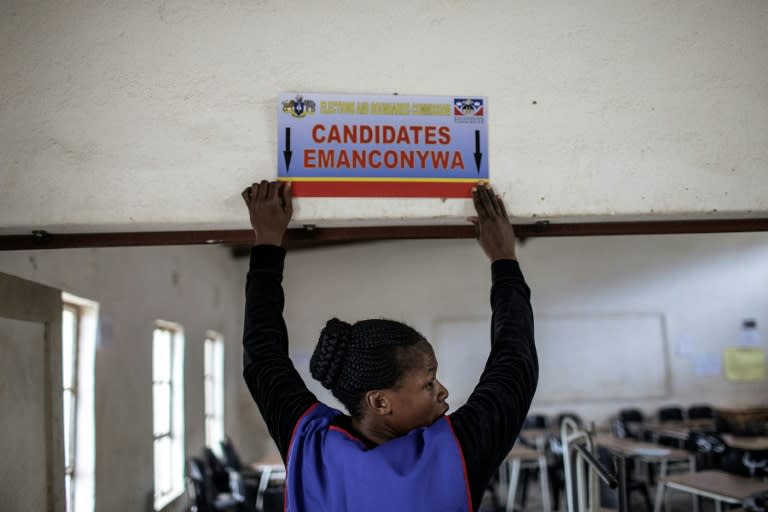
(120, 116)
(703, 285)
(134, 287)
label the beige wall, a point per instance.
(151, 109)
(134, 287)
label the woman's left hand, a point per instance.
(270, 205)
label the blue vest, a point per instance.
(329, 470)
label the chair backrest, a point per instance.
(218, 471)
(231, 458)
(672, 413)
(706, 443)
(619, 429)
(196, 484)
(536, 421)
(572, 415)
(749, 463)
(631, 415)
(700, 411)
(756, 503)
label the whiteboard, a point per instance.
(587, 357)
(602, 357)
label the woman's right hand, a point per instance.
(494, 231)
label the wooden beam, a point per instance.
(304, 238)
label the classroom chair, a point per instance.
(626, 416)
(202, 494)
(749, 463)
(230, 455)
(670, 413)
(631, 415)
(700, 411)
(233, 462)
(217, 470)
(708, 447)
(536, 421)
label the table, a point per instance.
(718, 485)
(678, 429)
(741, 417)
(523, 457)
(272, 470)
(746, 443)
(645, 452)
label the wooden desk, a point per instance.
(746, 443)
(717, 485)
(741, 417)
(649, 453)
(678, 429)
(272, 471)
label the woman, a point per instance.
(396, 450)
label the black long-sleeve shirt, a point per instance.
(486, 426)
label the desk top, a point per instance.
(718, 482)
(746, 443)
(631, 448)
(678, 429)
(523, 453)
(271, 459)
(535, 433)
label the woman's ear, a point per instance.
(378, 403)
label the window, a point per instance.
(213, 376)
(168, 412)
(78, 344)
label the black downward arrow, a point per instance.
(478, 154)
(287, 153)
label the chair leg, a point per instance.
(646, 498)
(555, 485)
(524, 494)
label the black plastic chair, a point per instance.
(625, 419)
(749, 463)
(756, 502)
(700, 411)
(247, 480)
(231, 457)
(672, 413)
(536, 421)
(708, 447)
(218, 471)
(631, 415)
(202, 494)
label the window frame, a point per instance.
(175, 429)
(70, 437)
(80, 472)
(214, 383)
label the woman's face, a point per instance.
(418, 399)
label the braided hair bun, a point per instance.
(329, 355)
(352, 359)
